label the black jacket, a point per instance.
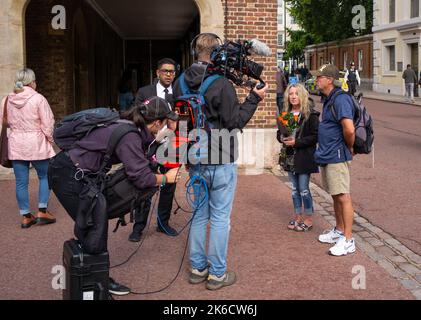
(223, 109)
(305, 146)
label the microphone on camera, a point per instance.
(260, 48)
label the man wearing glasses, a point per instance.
(163, 89)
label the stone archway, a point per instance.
(211, 16)
(12, 50)
(12, 34)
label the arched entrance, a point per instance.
(80, 63)
(12, 34)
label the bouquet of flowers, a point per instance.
(289, 121)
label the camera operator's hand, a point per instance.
(261, 92)
(173, 175)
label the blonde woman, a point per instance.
(302, 145)
(31, 124)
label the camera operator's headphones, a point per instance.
(194, 41)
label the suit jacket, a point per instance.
(149, 91)
(145, 93)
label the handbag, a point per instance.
(4, 141)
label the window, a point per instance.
(332, 58)
(390, 60)
(415, 8)
(360, 60)
(280, 39)
(392, 10)
(293, 20)
(280, 18)
(345, 60)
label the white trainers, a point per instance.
(343, 247)
(331, 236)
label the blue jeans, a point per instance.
(301, 193)
(21, 170)
(222, 182)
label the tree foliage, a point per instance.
(329, 20)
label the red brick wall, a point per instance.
(248, 19)
(51, 55)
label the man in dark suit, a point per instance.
(162, 88)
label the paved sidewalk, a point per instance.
(390, 98)
(270, 261)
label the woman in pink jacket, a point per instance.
(31, 123)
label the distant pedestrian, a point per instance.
(301, 146)
(281, 85)
(352, 78)
(31, 124)
(125, 97)
(410, 78)
(334, 154)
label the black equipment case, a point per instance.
(87, 276)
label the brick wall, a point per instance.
(248, 19)
(51, 54)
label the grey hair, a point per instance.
(23, 78)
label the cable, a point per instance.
(140, 244)
(179, 268)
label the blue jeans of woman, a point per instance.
(301, 194)
(21, 170)
(222, 182)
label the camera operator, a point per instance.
(149, 118)
(223, 111)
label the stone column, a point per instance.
(11, 42)
(211, 16)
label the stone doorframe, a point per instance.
(12, 34)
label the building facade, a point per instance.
(396, 38)
(358, 50)
(80, 65)
(285, 22)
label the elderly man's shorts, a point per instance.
(336, 178)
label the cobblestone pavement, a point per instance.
(399, 261)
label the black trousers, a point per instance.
(166, 198)
(61, 179)
(352, 87)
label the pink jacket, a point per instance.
(31, 124)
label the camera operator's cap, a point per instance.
(156, 108)
(328, 70)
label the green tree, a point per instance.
(330, 20)
(295, 46)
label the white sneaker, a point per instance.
(331, 236)
(343, 247)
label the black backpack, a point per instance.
(75, 126)
(363, 123)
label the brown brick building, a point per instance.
(341, 54)
(80, 67)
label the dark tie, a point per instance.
(169, 97)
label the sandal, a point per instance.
(302, 227)
(292, 225)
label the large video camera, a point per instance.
(232, 61)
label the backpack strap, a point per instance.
(207, 83)
(183, 85)
(331, 105)
(115, 138)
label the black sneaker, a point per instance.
(169, 231)
(117, 288)
(135, 236)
